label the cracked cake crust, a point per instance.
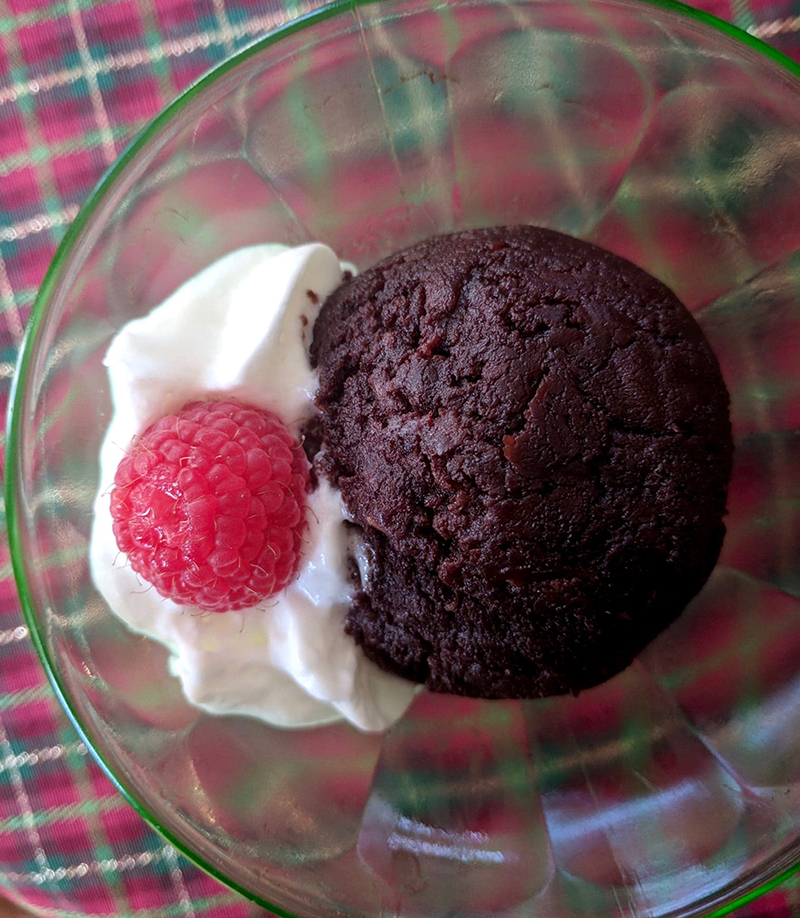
(533, 435)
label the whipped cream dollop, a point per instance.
(242, 327)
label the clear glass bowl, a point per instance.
(653, 130)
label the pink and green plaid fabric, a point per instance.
(77, 79)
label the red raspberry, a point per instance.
(209, 505)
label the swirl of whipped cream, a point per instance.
(242, 327)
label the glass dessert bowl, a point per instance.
(654, 131)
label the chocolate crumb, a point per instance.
(533, 434)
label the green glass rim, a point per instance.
(785, 867)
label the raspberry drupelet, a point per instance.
(209, 505)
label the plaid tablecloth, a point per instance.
(77, 79)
